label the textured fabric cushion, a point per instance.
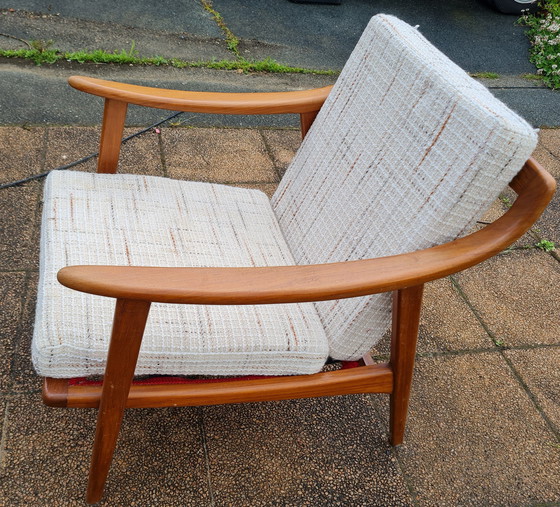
(148, 221)
(407, 152)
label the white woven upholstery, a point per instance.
(148, 221)
(407, 152)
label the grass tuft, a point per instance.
(50, 56)
(532, 77)
(39, 57)
(485, 75)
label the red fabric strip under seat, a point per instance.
(83, 381)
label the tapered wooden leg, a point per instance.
(128, 327)
(406, 316)
(114, 115)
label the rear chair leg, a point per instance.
(406, 317)
(128, 327)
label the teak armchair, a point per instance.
(406, 152)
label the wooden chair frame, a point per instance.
(135, 288)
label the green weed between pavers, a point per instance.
(49, 56)
(532, 77)
(506, 201)
(485, 75)
(544, 34)
(545, 245)
(39, 57)
(231, 40)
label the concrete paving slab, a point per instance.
(217, 155)
(539, 370)
(470, 418)
(475, 438)
(69, 144)
(315, 452)
(544, 155)
(470, 33)
(499, 81)
(71, 34)
(283, 145)
(45, 98)
(138, 155)
(19, 234)
(538, 106)
(548, 226)
(548, 154)
(22, 375)
(515, 295)
(550, 139)
(12, 286)
(29, 156)
(165, 16)
(159, 458)
(63, 106)
(38, 439)
(3, 402)
(317, 36)
(447, 323)
(141, 155)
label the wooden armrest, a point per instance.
(291, 284)
(117, 96)
(205, 102)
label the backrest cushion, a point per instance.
(406, 153)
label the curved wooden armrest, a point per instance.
(117, 96)
(291, 284)
(304, 101)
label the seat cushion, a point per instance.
(132, 220)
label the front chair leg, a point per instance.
(406, 317)
(128, 328)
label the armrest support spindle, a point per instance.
(114, 115)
